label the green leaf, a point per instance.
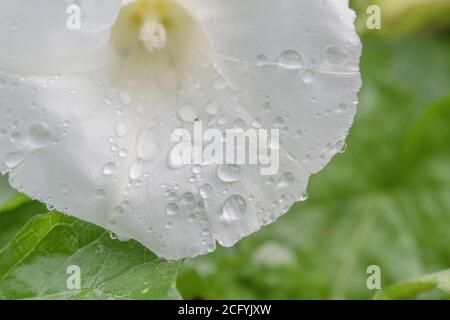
(384, 202)
(35, 263)
(15, 214)
(411, 288)
(14, 202)
(6, 192)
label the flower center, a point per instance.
(160, 45)
(153, 34)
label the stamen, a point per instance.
(153, 35)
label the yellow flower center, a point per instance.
(153, 35)
(158, 41)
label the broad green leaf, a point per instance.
(14, 202)
(385, 201)
(15, 214)
(35, 263)
(411, 288)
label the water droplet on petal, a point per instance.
(136, 169)
(261, 60)
(40, 135)
(267, 106)
(290, 59)
(188, 197)
(13, 159)
(336, 55)
(278, 122)
(206, 191)
(233, 208)
(212, 108)
(308, 76)
(304, 196)
(172, 209)
(109, 168)
(197, 169)
(187, 113)
(229, 173)
(287, 179)
(123, 153)
(147, 145)
(120, 112)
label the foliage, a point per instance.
(384, 202)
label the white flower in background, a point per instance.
(86, 116)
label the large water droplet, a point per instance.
(172, 209)
(188, 197)
(290, 59)
(229, 173)
(13, 159)
(123, 153)
(40, 135)
(308, 76)
(287, 179)
(136, 169)
(109, 168)
(147, 145)
(262, 60)
(233, 208)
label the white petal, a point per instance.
(298, 60)
(108, 161)
(32, 30)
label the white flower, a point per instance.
(86, 116)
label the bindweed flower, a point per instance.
(178, 123)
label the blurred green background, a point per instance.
(384, 202)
